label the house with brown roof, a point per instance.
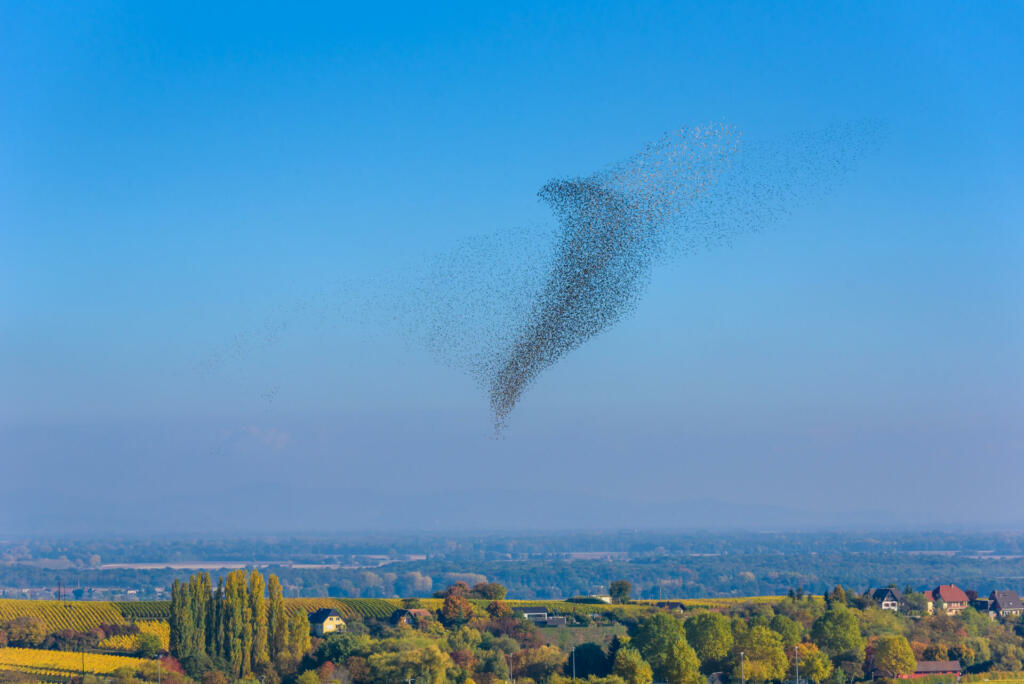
(411, 617)
(1004, 603)
(887, 598)
(952, 598)
(938, 667)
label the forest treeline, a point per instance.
(653, 578)
(659, 565)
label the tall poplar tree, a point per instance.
(258, 609)
(174, 619)
(237, 644)
(277, 621)
(298, 635)
(199, 604)
(217, 628)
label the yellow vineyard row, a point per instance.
(65, 661)
(57, 615)
(130, 642)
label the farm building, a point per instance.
(938, 667)
(534, 613)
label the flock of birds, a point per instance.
(508, 306)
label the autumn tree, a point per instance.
(812, 664)
(258, 613)
(456, 610)
(892, 656)
(422, 664)
(537, 663)
(26, 631)
(498, 609)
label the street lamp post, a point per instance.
(743, 678)
(796, 661)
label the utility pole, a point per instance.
(574, 663)
(743, 679)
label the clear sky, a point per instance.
(178, 181)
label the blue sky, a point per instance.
(174, 176)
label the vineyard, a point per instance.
(62, 664)
(57, 615)
(85, 615)
(130, 642)
(347, 608)
(144, 610)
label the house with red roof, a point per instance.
(948, 598)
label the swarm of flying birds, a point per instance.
(508, 306)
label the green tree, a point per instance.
(837, 632)
(892, 656)
(179, 621)
(147, 645)
(661, 640)
(237, 624)
(298, 635)
(710, 634)
(308, 677)
(589, 659)
(788, 630)
(630, 665)
(277, 621)
(914, 603)
(492, 591)
(763, 658)
(260, 621)
(620, 590)
(681, 665)
(199, 590)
